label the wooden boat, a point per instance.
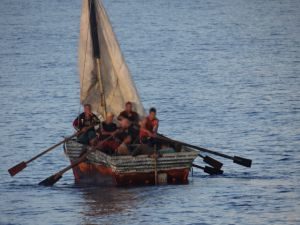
(100, 168)
(106, 84)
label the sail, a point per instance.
(105, 80)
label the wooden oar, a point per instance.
(209, 170)
(56, 177)
(236, 159)
(213, 162)
(50, 181)
(207, 159)
(22, 165)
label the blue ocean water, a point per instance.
(223, 74)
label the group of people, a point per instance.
(113, 138)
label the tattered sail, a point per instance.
(105, 80)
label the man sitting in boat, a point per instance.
(129, 113)
(128, 135)
(108, 127)
(85, 123)
(105, 140)
(128, 129)
(124, 136)
(145, 135)
(123, 148)
(152, 122)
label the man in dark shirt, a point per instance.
(128, 129)
(84, 122)
(123, 136)
(108, 127)
(129, 113)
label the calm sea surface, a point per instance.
(223, 74)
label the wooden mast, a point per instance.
(97, 55)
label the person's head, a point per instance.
(87, 108)
(125, 123)
(152, 113)
(128, 106)
(109, 117)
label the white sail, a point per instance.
(105, 80)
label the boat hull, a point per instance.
(99, 174)
(102, 169)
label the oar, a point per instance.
(209, 170)
(22, 165)
(50, 181)
(213, 162)
(236, 159)
(56, 177)
(207, 159)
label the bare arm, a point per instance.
(155, 127)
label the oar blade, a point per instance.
(50, 181)
(212, 171)
(209, 170)
(214, 163)
(17, 168)
(242, 161)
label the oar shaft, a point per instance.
(83, 157)
(197, 166)
(196, 147)
(236, 159)
(209, 170)
(58, 144)
(52, 147)
(78, 161)
(54, 178)
(207, 150)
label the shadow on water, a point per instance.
(106, 200)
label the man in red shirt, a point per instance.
(145, 134)
(152, 122)
(148, 128)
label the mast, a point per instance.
(97, 54)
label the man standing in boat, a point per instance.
(84, 122)
(129, 113)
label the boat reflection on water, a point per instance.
(104, 201)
